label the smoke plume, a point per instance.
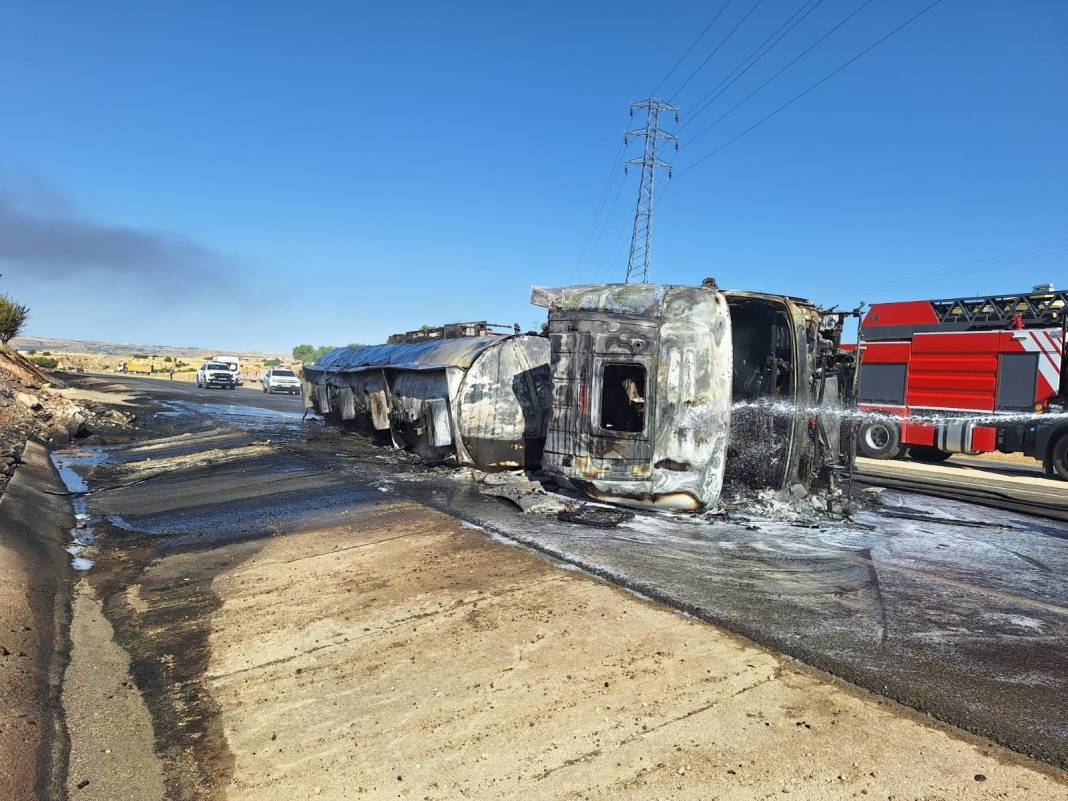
(52, 240)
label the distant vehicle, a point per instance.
(281, 379)
(216, 374)
(233, 363)
(135, 367)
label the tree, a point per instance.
(271, 362)
(12, 318)
(308, 353)
(46, 362)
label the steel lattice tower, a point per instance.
(641, 239)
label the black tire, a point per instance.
(925, 453)
(879, 439)
(1059, 456)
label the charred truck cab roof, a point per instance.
(661, 393)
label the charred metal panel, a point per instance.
(346, 403)
(413, 396)
(504, 426)
(786, 424)
(641, 392)
(482, 400)
(659, 393)
(322, 397)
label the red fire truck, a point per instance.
(966, 375)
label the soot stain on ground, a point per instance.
(163, 620)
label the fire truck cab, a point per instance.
(966, 375)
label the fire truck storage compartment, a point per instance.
(953, 371)
(763, 372)
(882, 383)
(1017, 378)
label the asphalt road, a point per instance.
(1021, 488)
(163, 390)
(954, 609)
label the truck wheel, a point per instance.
(925, 453)
(879, 439)
(1059, 456)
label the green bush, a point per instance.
(12, 318)
(46, 362)
(168, 359)
(271, 362)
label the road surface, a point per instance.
(955, 610)
(1021, 488)
(162, 390)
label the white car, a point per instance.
(281, 379)
(233, 363)
(215, 374)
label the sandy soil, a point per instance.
(114, 397)
(401, 655)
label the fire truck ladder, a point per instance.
(1035, 309)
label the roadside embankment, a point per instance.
(35, 582)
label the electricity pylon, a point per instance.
(641, 239)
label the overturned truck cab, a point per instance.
(660, 393)
(481, 400)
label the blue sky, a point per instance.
(253, 175)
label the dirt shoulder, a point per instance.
(34, 606)
(400, 654)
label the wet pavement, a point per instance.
(956, 610)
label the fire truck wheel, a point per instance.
(923, 453)
(1059, 456)
(880, 439)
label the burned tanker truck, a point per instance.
(660, 394)
(482, 400)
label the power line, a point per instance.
(613, 168)
(716, 92)
(813, 86)
(1055, 248)
(604, 223)
(682, 58)
(716, 49)
(783, 69)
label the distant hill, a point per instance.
(128, 349)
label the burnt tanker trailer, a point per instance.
(483, 400)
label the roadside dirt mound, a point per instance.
(30, 407)
(21, 368)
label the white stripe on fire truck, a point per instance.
(1046, 366)
(1056, 340)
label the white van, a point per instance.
(233, 363)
